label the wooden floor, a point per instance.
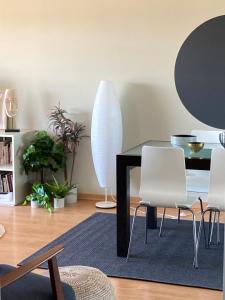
(29, 229)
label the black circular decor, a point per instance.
(200, 72)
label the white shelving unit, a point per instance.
(19, 182)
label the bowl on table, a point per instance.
(182, 139)
(196, 146)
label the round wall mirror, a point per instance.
(200, 72)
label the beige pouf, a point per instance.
(88, 283)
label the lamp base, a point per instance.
(105, 204)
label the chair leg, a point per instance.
(131, 234)
(209, 229)
(195, 262)
(203, 221)
(212, 228)
(195, 239)
(218, 228)
(200, 229)
(162, 221)
(178, 216)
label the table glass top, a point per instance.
(205, 153)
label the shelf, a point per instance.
(6, 198)
(8, 167)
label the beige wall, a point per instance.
(58, 50)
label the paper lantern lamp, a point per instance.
(106, 138)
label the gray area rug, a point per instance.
(167, 259)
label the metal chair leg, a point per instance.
(195, 262)
(162, 221)
(203, 221)
(131, 234)
(212, 228)
(218, 229)
(200, 228)
(209, 228)
(195, 239)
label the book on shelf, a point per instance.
(5, 152)
(6, 184)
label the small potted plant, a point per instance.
(43, 154)
(69, 133)
(38, 197)
(59, 192)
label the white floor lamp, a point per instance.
(106, 138)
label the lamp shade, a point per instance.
(106, 133)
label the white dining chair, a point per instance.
(198, 180)
(163, 184)
(216, 194)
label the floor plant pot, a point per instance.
(59, 203)
(35, 204)
(71, 197)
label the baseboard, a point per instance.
(100, 197)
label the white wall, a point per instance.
(58, 50)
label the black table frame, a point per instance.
(124, 163)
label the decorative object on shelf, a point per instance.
(70, 133)
(11, 109)
(182, 139)
(3, 116)
(59, 192)
(40, 196)
(43, 153)
(106, 138)
(196, 146)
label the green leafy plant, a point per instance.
(59, 190)
(40, 195)
(70, 133)
(43, 153)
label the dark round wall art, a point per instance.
(200, 72)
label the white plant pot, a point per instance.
(34, 204)
(59, 203)
(71, 197)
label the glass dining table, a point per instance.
(131, 159)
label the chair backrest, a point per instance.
(216, 195)
(207, 136)
(163, 181)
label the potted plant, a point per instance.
(43, 153)
(39, 197)
(59, 192)
(70, 133)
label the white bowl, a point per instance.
(182, 139)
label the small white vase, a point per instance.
(59, 203)
(71, 197)
(34, 204)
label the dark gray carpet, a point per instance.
(167, 259)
